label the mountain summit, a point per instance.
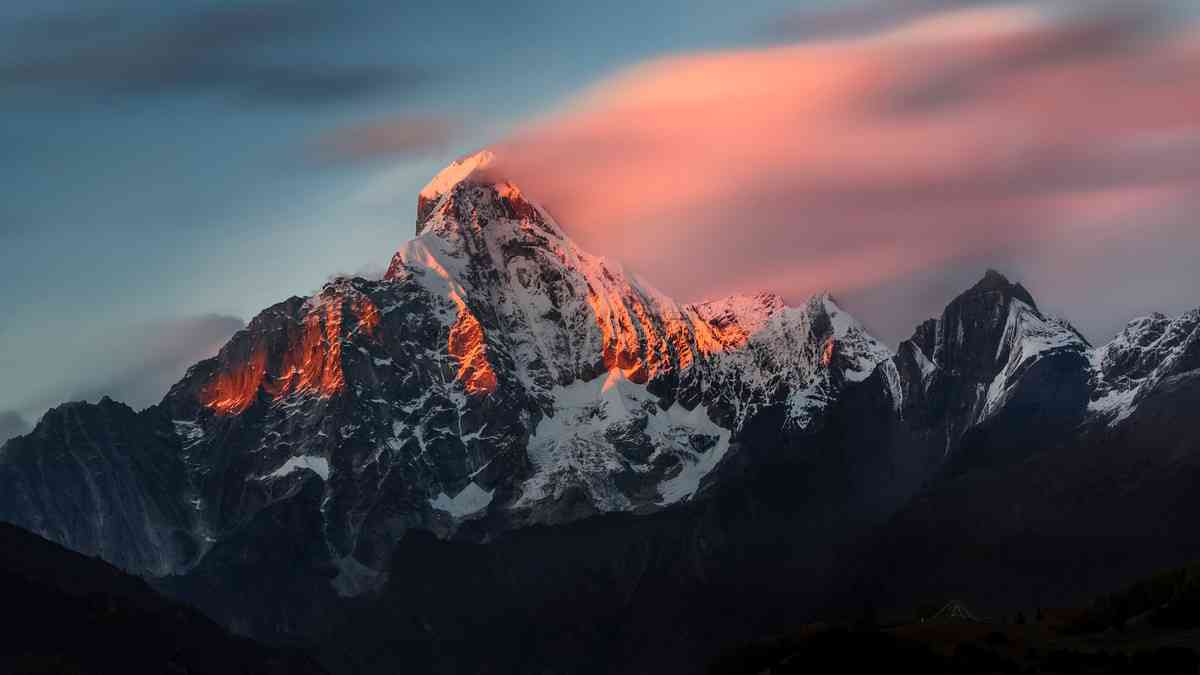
(499, 377)
(469, 169)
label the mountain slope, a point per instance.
(992, 361)
(102, 480)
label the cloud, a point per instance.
(403, 137)
(155, 356)
(984, 136)
(230, 49)
(12, 424)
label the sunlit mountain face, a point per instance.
(310, 363)
(598, 410)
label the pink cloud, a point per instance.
(850, 164)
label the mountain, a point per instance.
(852, 514)
(1152, 356)
(975, 464)
(508, 427)
(991, 373)
(75, 614)
(103, 480)
(1050, 517)
(496, 377)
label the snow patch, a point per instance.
(470, 500)
(695, 465)
(927, 367)
(571, 447)
(895, 386)
(316, 464)
(354, 578)
(1027, 336)
(190, 432)
(1117, 404)
(862, 351)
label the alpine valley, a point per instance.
(509, 455)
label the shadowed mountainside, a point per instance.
(74, 614)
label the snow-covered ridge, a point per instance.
(1028, 336)
(1146, 352)
(861, 351)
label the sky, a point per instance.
(172, 168)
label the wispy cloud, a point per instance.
(245, 51)
(854, 164)
(401, 137)
(136, 364)
(153, 357)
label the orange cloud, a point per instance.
(850, 163)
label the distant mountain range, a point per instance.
(510, 446)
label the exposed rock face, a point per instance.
(104, 481)
(994, 361)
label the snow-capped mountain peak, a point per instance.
(472, 184)
(458, 171)
(991, 351)
(1145, 355)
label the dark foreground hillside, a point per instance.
(1152, 626)
(958, 650)
(68, 613)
